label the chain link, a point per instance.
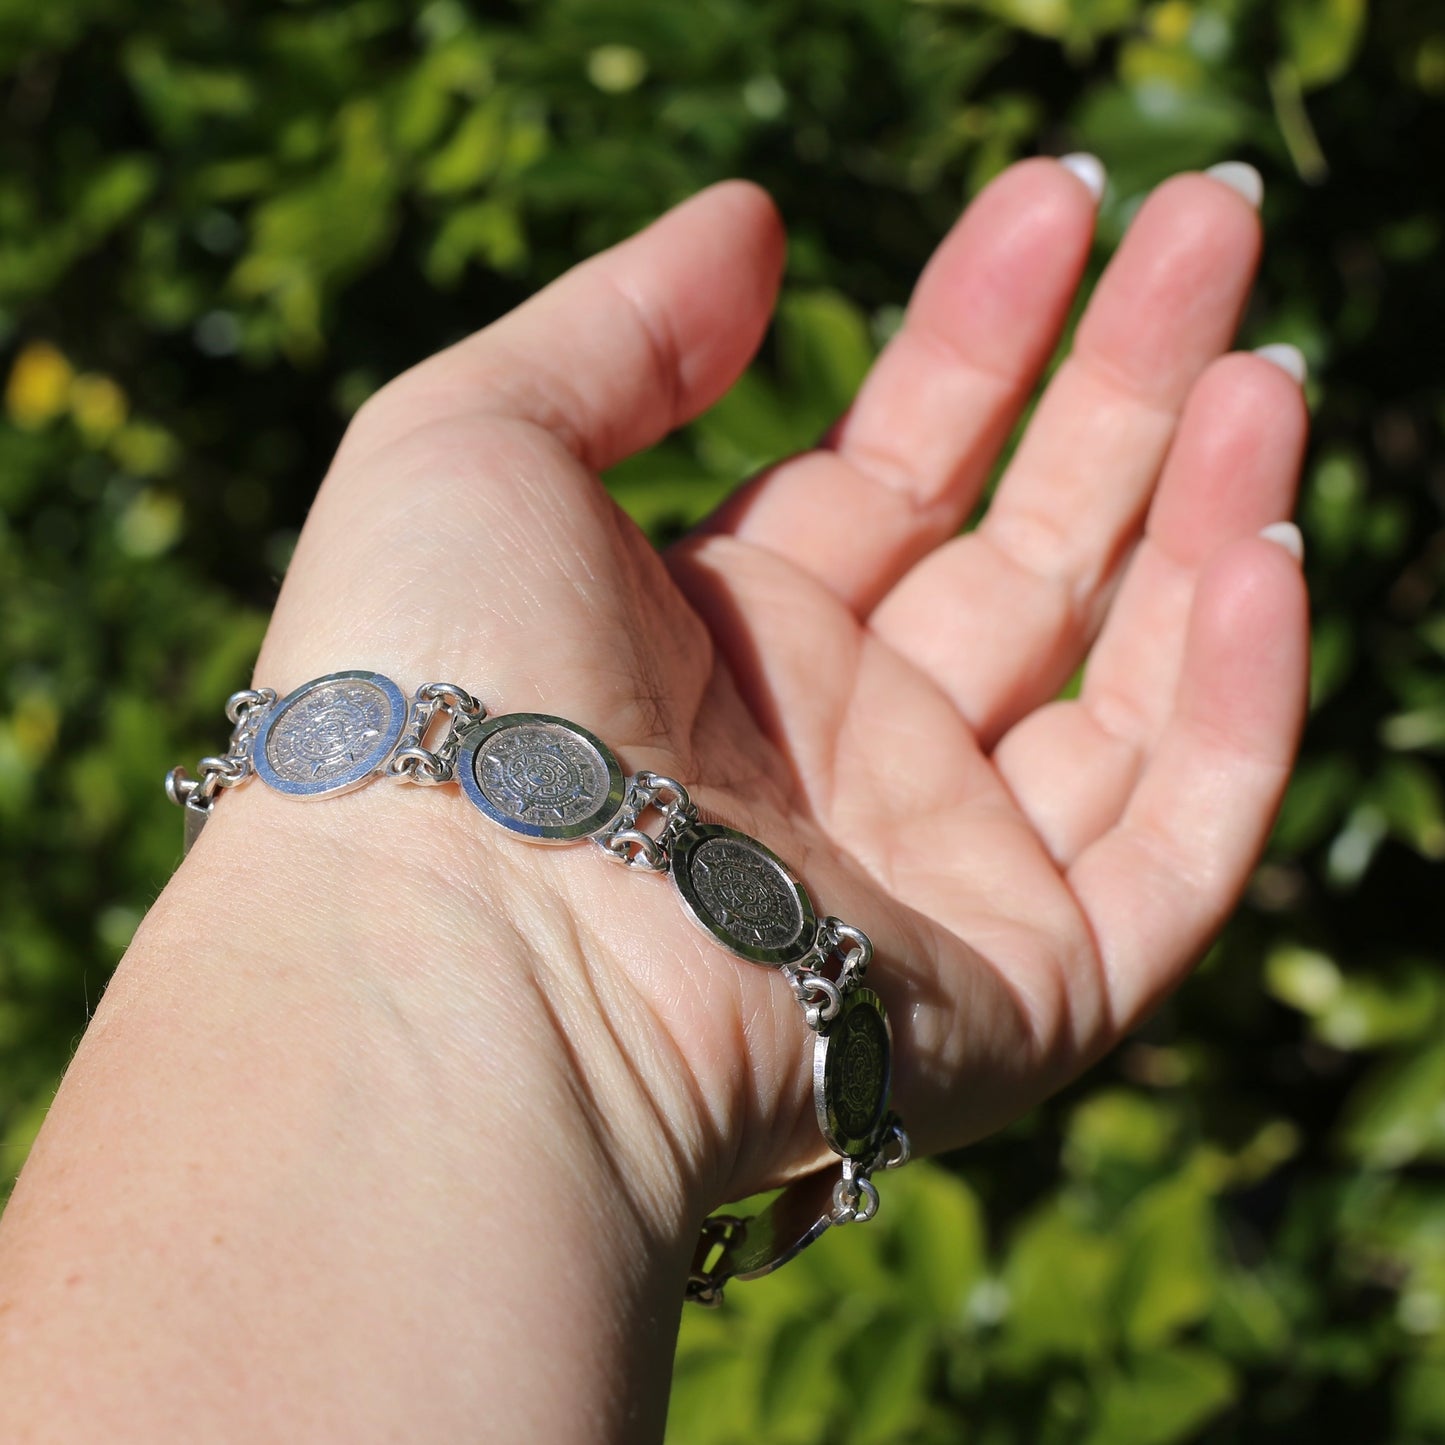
(838, 945)
(820, 997)
(412, 761)
(895, 1148)
(855, 1196)
(246, 711)
(705, 1280)
(626, 842)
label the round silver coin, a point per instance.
(330, 734)
(852, 1073)
(542, 777)
(743, 894)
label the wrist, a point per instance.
(465, 961)
(331, 1131)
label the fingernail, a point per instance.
(1242, 177)
(1286, 535)
(1089, 169)
(1289, 359)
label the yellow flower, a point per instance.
(38, 390)
(98, 405)
(1170, 22)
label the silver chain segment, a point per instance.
(821, 998)
(626, 842)
(412, 761)
(347, 728)
(246, 710)
(705, 1280)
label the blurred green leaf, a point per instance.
(1413, 801)
(1421, 1393)
(1320, 791)
(1080, 21)
(1398, 1113)
(1162, 1397)
(825, 351)
(1332, 658)
(1247, 1324)
(1303, 978)
(1356, 1011)
(750, 427)
(1150, 131)
(1334, 504)
(786, 1412)
(1322, 37)
(322, 230)
(1119, 1140)
(486, 231)
(1166, 1281)
(113, 192)
(940, 1241)
(1060, 1280)
(473, 153)
(892, 1363)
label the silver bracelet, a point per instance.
(551, 781)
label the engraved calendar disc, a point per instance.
(330, 735)
(743, 894)
(543, 777)
(852, 1072)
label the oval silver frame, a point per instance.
(850, 1145)
(682, 855)
(595, 822)
(363, 770)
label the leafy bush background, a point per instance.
(222, 226)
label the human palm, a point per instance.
(829, 666)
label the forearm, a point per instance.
(320, 1173)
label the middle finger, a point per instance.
(1000, 617)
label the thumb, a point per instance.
(621, 349)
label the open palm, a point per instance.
(830, 666)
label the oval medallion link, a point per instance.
(852, 1072)
(743, 894)
(542, 777)
(330, 735)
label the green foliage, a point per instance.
(219, 232)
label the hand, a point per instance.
(829, 667)
(389, 1123)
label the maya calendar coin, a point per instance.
(542, 777)
(330, 734)
(852, 1072)
(743, 894)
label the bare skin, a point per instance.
(393, 1128)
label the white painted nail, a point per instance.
(1286, 535)
(1242, 177)
(1289, 359)
(1089, 169)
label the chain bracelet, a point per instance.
(551, 781)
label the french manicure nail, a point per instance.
(1286, 535)
(1242, 177)
(1089, 169)
(1289, 359)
